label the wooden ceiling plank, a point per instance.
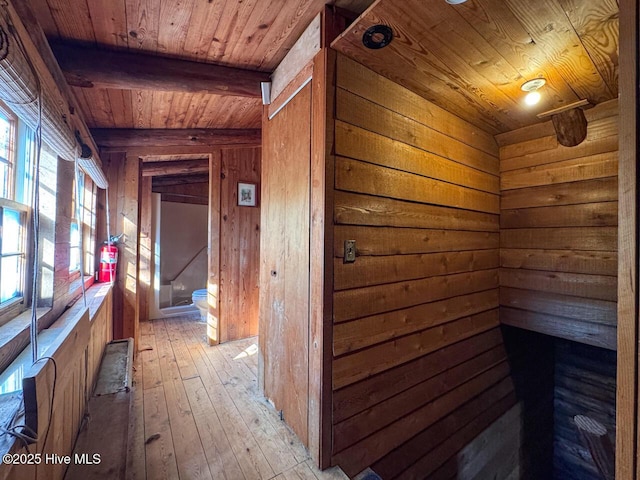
(138, 138)
(161, 105)
(408, 63)
(121, 108)
(179, 109)
(597, 24)
(475, 70)
(142, 102)
(222, 35)
(100, 106)
(552, 31)
(143, 24)
(244, 113)
(78, 24)
(109, 22)
(174, 24)
(83, 105)
(242, 47)
(249, 115)
(285, 31)
(86, 67)
(505, 33)
(203, 23)
(45, 18)
(196, 109)
(256, 29)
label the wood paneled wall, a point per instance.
(520, 443)
(79, 357)
(558, 230)
(122, 172)
(419, 365)
(239, 245)
(585, 384)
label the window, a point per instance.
(7, 143)
(13, 218)
(15, 226)
(75, 230)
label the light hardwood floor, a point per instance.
(197, 414)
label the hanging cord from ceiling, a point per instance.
(36, 97)
(22, 432)
(35, 215)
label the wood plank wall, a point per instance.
(520, 443)
(239, 245)
(122, 172)
(75, 381)
(585, 384)
(418, 354)
(558, 230)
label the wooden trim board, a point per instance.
(627, 375)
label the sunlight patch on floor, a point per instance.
(247, 352)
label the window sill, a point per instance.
(15, 334)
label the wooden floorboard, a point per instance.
(201, 414)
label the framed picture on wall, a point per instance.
(247, 194)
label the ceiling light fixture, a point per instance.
(455, 2)
(531, 87)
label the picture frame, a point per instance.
(247, 194)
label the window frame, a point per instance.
(9, 309)
(77, 207)
(11, 160)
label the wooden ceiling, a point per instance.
(472, 58)
(250, 34)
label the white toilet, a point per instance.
(200, 300)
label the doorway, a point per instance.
(180, 246)
(174, 214)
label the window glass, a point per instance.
(74, 251)
(6, 140)
(75, 231)
(10, 231)
(12, 254)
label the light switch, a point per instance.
(349, 251)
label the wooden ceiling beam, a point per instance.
(123, 138)
(92, 68)
(177, 167)
(158, 183)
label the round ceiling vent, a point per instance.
(378, 36)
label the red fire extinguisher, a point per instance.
(108, 261)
